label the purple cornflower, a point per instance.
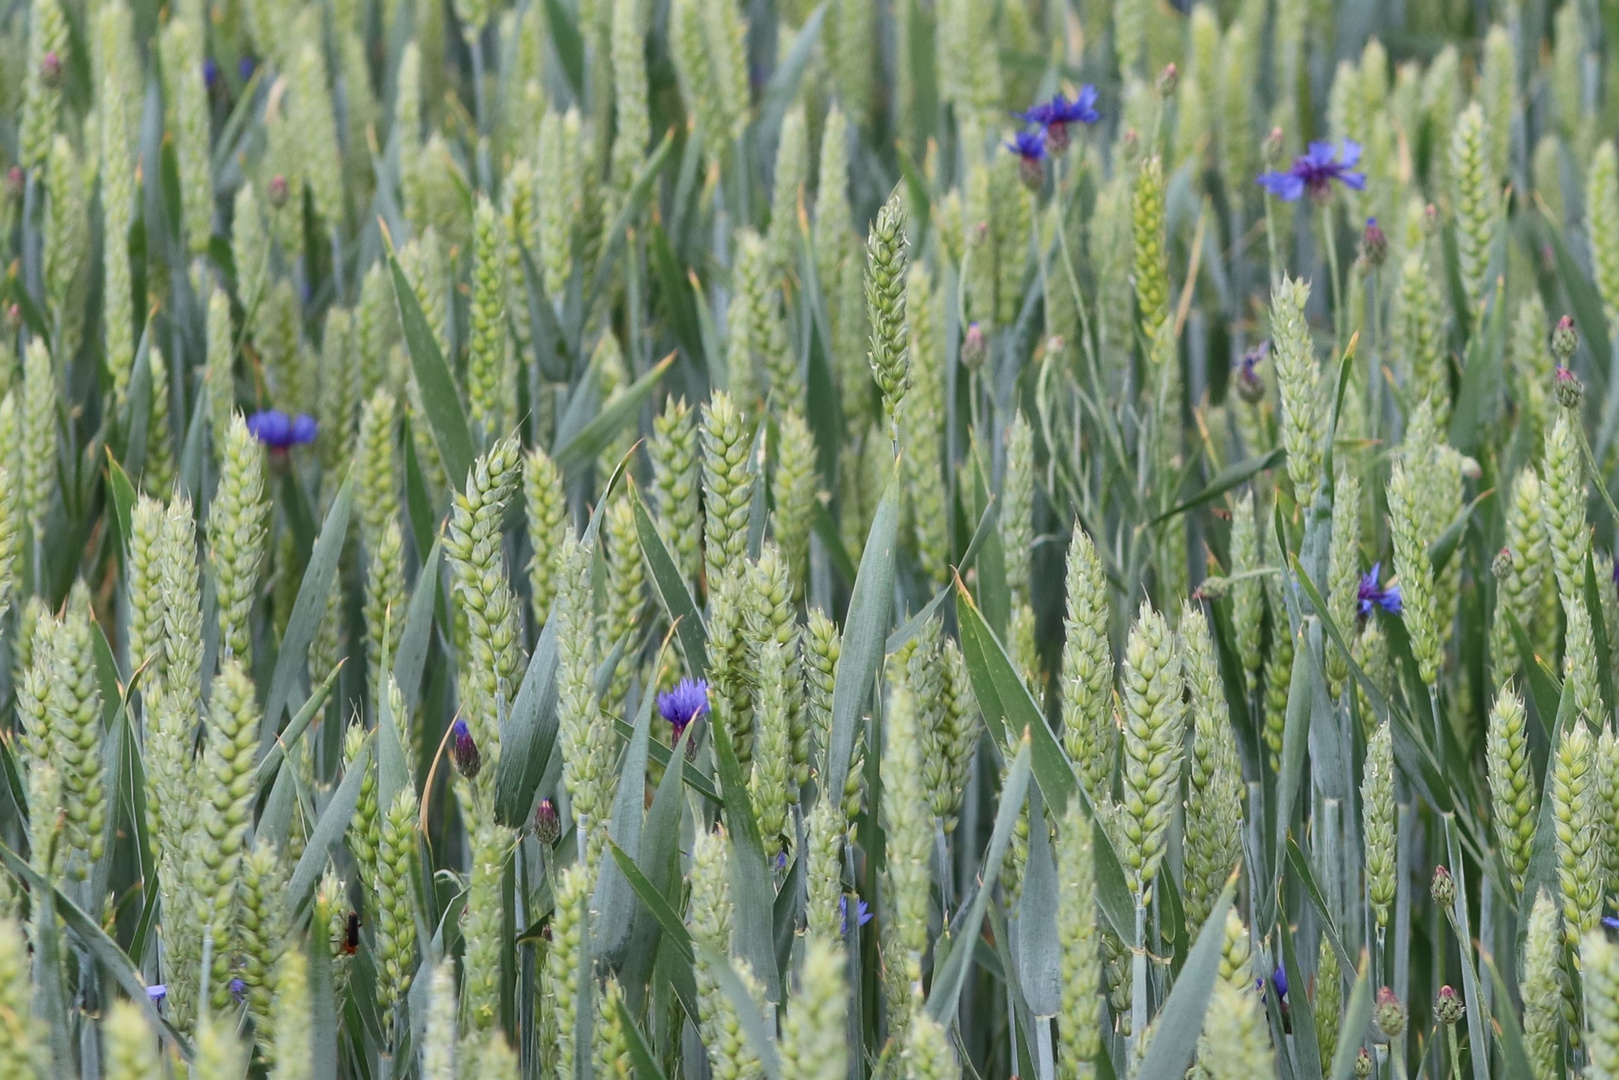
(467, 759)
(1055, 116)
(685, 703)
(210, 72)
(1030, 147)
(245, 67)
(238, 989)
(862, 914)
(1314, 172)
(1278, 981)
(1250, 386)
(278, 431)
(1372, 595)
(1610, 922)
(157, 992)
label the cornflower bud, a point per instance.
(465, 750)
(1374, 245)
(1388, 1015)
(1363, 1064)
(547, 824)
(974, 347)
(1270, 148)
(1448, 1006)
(277, 191)
(1565, 339)
(1443, 888)
(1168, 80)
(1567, 388)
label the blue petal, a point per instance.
(1284, 186)
(1318, 154)
(1349, 153)
(1356, 180)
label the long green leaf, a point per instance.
(673, 595)
(287, 739)
(751, 893)
(410, 657)
(864, 633)
(329, 829)
(1005, 703)
(307, 611)
(1356, 1018)
(1180, 1021)
(530, 736)
(440, 400)
(949, 977)
(594, 437)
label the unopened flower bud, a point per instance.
(547, 825)
(1250, 387)
(1443, 889)
(1168, 79)
(1374, 245)
(1501, 565)
(277, 191)
(1430, 219)
(1567, 388)
(1565, 339)
(1213, 588)
(13, 318)
(1363, 1064)
(1129, 146)
(1270, 147)
(467, 759)
(16, 182)
(1471, 469)
(1448, 1008)
(50, 70)
(973, 347)
(1388, 1014)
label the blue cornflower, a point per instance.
(278, 431)
(1055, 115)
(1249, 385)
(1372, 595)
(1314, 172)
(245, 67)
(1610, 922)
(685, 703)
(862, 914)
(210, 72)
(157, 992)
(467, 759)
(238, 989)
(1030, 147)
(1278, 982)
